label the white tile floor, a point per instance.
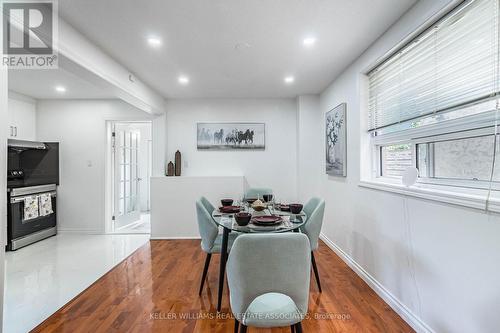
(44, 276)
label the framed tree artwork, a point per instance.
(336, 141)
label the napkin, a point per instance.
(31, 207)
(46, 204)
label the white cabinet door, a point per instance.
(21, 120)
(25, 123)
(10, 122)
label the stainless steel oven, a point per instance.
(22, 231)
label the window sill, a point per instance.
(472, 198)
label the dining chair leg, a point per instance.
(243, 328)
(298, 328)
(205, 271)
(222, 267)
(236, 325)
(315, 268)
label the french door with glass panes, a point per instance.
(126, 176)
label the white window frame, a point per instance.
(457, 182)
(470, 193)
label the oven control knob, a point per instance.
(14, 173)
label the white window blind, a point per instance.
(453, 63)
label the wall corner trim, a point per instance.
(406, 314)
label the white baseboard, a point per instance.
(161, 237)
(414, 321)
(130, 225)
(80, 231)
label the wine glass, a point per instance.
(242, 203)
(275, 202)
(272, 204)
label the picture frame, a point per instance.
(336, 141)
(230, 136)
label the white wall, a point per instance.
(439, 261)
(22, 114)
(80, 127)
(274, 167)
(3, 180)
(309, 146)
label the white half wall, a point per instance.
(274, 167)
(173, 202)
(438, 261)
(80, 127)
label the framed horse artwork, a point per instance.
(229, 136)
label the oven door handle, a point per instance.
(21, 199)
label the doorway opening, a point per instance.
(131, 168)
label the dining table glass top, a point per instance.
(289, 221)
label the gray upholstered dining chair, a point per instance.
(315, 210)
(257, 192)
(211, 241)
(268, 277)
(207, 204)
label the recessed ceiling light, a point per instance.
(154, 41)
(60, 89)
(183, 80)
(309, 41)
(289, 79)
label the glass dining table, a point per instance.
(289, 222)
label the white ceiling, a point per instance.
(41, 83)
(199, 39)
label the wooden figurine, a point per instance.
(177, 163)
(170, 169)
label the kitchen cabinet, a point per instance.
(21, 123)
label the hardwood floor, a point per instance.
(156, 290)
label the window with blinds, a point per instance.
(451, 65)
(434, 105)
